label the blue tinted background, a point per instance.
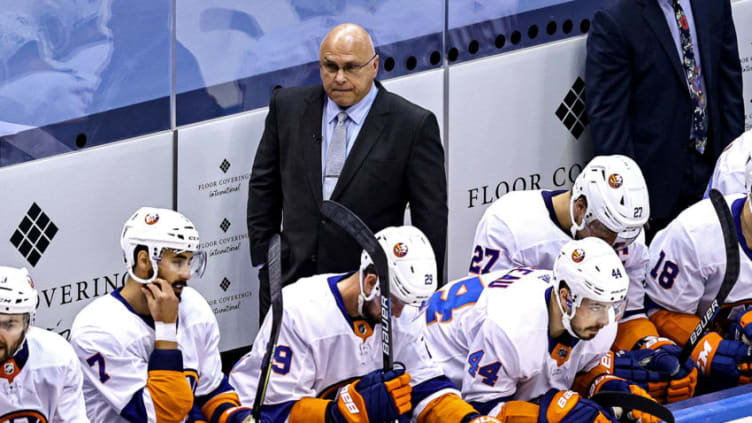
(80, 73)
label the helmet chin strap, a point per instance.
(154, 267)
(362, 297)
(575, 226)
(566, 319)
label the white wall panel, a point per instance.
(214, 166)
(742, 11)
(425, 89)
(79, 203)
(504, 134)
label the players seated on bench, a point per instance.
(687, 266)
(150, 350)
(609, 200)
(510, 337)
(328, 360)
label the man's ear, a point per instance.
(143, 264)
(369, 283)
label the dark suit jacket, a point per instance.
(638, 102)
(397, 159)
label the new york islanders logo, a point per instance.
(400, 249)
(151, 219)
(23, 416)
(578, 255)
(615, 180)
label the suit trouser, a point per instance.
(696, 176)
(265, 299)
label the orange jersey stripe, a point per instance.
(171, 394)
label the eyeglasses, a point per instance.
(348, 69)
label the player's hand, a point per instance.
(656, 368)
(570, 407)
(741, 328)
(376, 397)
(726, 363)
(617, 384)
(162, 301)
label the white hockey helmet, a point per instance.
(157, 230)
(591, 269)
(412, 265)
(17, 292)
(616, 195)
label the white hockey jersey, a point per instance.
(521, 229)
(114, 345)
(688, 260)
(490, 333)
(42, 382)
(728, 175)
(320, 348)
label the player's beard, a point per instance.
(9, 350)
(177, 287)
(587, 333)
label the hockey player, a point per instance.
(149, 351)
(327, 363)
(609, 200)
(687, 265)
(509, 337)
(728, 176)
(40, 378)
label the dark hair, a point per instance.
(371, 268)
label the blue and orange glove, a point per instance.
(376, 397)
(726, 363)
(741, 328)
(617, 384)
(570, 407)
(655, 367)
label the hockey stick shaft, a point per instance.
(274, 266)
(730, 275)
(356, 228)
(629, 402)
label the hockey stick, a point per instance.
(274, 266)
(628, 402)
(729, 277)
(351, 223)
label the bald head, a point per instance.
(349, 64)
(350, 37)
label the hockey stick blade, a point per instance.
(629, 402)
(356, 228)
(274, 266)
(730, 275)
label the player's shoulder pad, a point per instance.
(53, 349)
(194, 308)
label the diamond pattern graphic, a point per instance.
(33, 235)
(225, 165)
(571, 111)
(224, 284)
(225, 225)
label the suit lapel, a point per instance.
(367, 138)
(655, 18)
(310, 136)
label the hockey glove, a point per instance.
(376, 397)
(570, 407)
(741, 329)
(656, 368)
(725, 362)
(617, 384)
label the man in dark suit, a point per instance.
(352, 141)
(664, 87)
